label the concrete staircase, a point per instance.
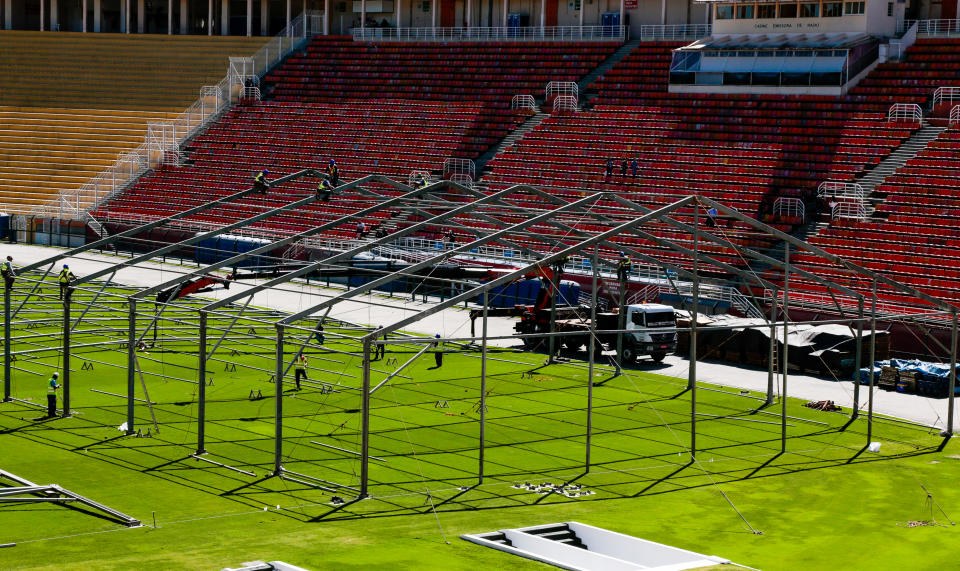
(603, 68)
(529, 125)
(908, 150)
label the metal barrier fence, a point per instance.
(493, 34)
(932, 27)
(674, 32)
(523, 102)
(946, 95)
(955, 115)
(214, 100)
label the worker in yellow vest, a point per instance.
(65, 278)
(6, 269)
(300, 369)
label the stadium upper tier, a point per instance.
(339, 69)
(111, 71)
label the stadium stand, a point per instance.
(81, 99)
(112, 71)
(339, 69)
(44, 150)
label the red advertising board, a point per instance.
(630, 4)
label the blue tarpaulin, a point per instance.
(935, 373)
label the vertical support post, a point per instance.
(67, 295)
(54, 16)
(141, 16)
(83, 19)
(506, 9)
(591, 353)
(184, 16)
(131, 360)
(43, 9)
(97, 15)
(249, 18)
(433, 15)
(692, 370)
(278, 406)
(873, 358)
(583, 6)
(265, 18)
(290, 15)
(399, 15)
(953, 372)
(772, 355)
(663, 13)
(363, 15)
(125, 16)
(209, 17)
(858, 361)
(483, 389)
(225, 21)
(784, 361)
(7, 380)
(169, 17)
(466, 18)
(552, 341)
(365, 422)
(623, 24)
(543, 17)
(202, 379)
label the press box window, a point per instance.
(767, 11)
(745, 12)
(788, 10)
(725, 12)
(832, 9)
(809, 10)
(854, 8)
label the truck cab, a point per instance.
(652, 329)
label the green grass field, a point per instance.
(824, 504)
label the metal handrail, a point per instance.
(672, 32)
(565, 103)
(495, 34)
(523, 102)
(955, 115)
(786, 206)
(935, 27)
(905, 112)
(945, 95)
(850, 210)
(833, 189)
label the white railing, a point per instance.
(462, 179)
(945, 95)
(785, 206)
(831, 189)
(454, 166)
(955, 115)
(905, 112)
(932, 27)
(415, 176)
(214, 99)
(898, 46)
(495, 34)
(565, 103)
(851, 210)
(674, 32)
(251, 92)
(562, 88)
(523, 102)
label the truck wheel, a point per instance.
(629, 356)
(658, 356)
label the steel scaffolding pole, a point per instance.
(202, 380)
(7, 380)
(591, 352)
(692, 377)
(67, 295)
(131, 360)
(785, 360)
(772, 356)
(858, 361)
(873, 359)
(483, 389)
(365, 422)
(278, 406)
(953, 372)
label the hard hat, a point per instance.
(10, 258)
(55, 375)
(333, 161)
(437, 335)
(66, 267)
(623, 253)
(265, 171)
